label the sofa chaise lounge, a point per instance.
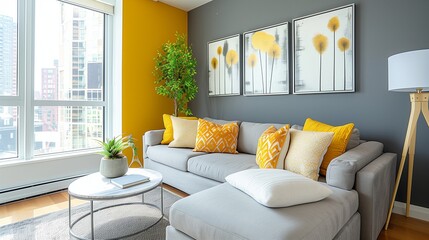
(361, 180)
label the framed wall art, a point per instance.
(324, 52)
(224, 66)
(266, 61)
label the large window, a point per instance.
(9, 100)
(52, 78)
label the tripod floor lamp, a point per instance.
(409, 72)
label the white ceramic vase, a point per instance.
(112, 168)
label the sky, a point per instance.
(47, 32)
(8, 8)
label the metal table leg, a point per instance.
(92, 220)
(162, 200)
(69, 211)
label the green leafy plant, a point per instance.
(113, 148)
(175, 68)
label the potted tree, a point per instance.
(175, 68)
(114, 163)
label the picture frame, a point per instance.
(266, 60)
(224, 72)
(324, 52)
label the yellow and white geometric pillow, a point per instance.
(272, 147)
(212, 137)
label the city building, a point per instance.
(8, 86)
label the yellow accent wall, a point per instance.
(146, 26)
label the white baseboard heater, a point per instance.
(31, 190)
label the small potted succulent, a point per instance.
(114, 163)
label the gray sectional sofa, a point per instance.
(361, 180)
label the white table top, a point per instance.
(97, 187)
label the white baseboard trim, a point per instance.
(415, 211)
(31, 191)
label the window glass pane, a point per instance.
(69, 52)
(8, 48)
(59, 129)
(8, 132)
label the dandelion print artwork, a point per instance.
(266, 70)
(324, 52)
(224, 66)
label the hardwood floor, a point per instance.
(401, 228)
(37, 206)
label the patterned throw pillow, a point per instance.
(167, 137)
(272, 147)
(339, 142)
(212, 137)
(306, 151)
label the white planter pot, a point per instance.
(112, 168)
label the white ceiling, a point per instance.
(186, 5)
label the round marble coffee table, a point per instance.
(95, 187)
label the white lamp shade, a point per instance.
(409, 71)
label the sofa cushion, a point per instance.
(278, 187)
(342, 170)
(354, 138)
(213, 137)
(272, 147)
(184, 132)
(306, 152)
(174, 157)
(167, 136)
(153, 137)
(220, 121)
(223, 212)
(249, 135)
(339, 142)
(217, 166)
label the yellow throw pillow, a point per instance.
(272, 147)
(168, 125)
(212, 137)
(185, 132)
(339, 142)
(306, 151)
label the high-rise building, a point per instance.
(8, 58)
(8, 86)
(80, 76)
(49, 92)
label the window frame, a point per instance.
(24, 98)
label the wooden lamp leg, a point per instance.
(410, 171)
(414, 115)
(425, 109)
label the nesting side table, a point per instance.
(95, 187)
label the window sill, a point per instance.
(48, 158)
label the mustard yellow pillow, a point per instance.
(306, 151)
(339, 142)
(272, 147)
(184, 133)
(212, 137)
(168, 125)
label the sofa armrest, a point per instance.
(151, 138)
(374, 184)
(342, 170)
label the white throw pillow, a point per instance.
(278, 188)
(185, 132)
(306, 151)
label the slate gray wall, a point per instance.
(383, 28)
